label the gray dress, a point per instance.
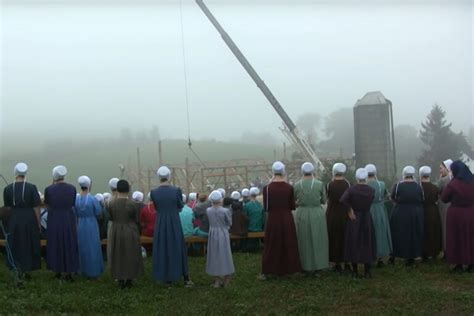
(126, 262)
(219, 255)
(443, 207)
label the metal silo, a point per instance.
(373, 132)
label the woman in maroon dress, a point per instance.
(460, 218)
(280, 251)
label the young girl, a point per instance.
(219, 255)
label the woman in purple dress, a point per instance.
(460, 218)
(62, 250)
(359, 245)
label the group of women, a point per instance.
(354, 229)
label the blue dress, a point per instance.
(61, 251)
(88, 237)
(170, 261)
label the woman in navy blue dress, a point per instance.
(62, 255)
(170, 260)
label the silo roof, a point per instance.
(372, 98)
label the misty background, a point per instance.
(84, 79)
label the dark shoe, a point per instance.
(457, 269)
(347, 267)
(424, 259)
(129, 284)
(121, 284)
(338, 268)
(391, 260)
(470, 268)
(58, 276)
(409, 262)
(380, 264)
(68, 278)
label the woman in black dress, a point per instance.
(23, 224)
(407, 219)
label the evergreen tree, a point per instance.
(440, 141)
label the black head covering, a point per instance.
(461, 171)
(123, 186)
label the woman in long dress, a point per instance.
(24, 223)
(407, 219)
(445, 178)
(280, 251)
(219, 263)
(379, 215)
(126, 262)
(336, 216)
(87, 209)
(460, 218)
(170, 260)
(311, 223)
(360, 245)
(253, 209)
(62, 255)
(432, 240)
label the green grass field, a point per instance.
(429, 289)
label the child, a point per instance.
(219, 255)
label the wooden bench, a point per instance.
(189, 240)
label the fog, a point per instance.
(88, 69)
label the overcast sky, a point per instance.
(86, 68)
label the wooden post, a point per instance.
(225, 179)
(139, 171)
(160, 154)
(188, 176)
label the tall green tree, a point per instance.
(440, 142)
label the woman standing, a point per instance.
(219, 263)
(24, 222)
(280, 250)
(311, 223)
(445, 178)
(460, 218)
(87, 209)
(126, 262)
(360, 245)
(407, 218)
(432, 241)
(170, 260)
(62, 254)
(379, 215)
(336, 216)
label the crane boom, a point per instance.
(291, 132)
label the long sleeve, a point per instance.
(447, 194)
(7, 197)
(346, 198)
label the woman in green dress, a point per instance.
(311, 223)
(379, 216)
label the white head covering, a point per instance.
(84, 181)
(425, 171)
(184, 198)
(215, 196)
(137, 196)
(447, 163)
(59, 172)
(193, 196)
(20, 169)
(339, 168)
(99, 197)
(164, 173)
(107, 196)
(235, 195)
(371, 169)
(254, 191)
(278, 167)
(361, 174)
(245, 192)
(307, 168)
(222, 192)
(408, 171)
(113, 184)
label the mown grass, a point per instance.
(428, 289)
